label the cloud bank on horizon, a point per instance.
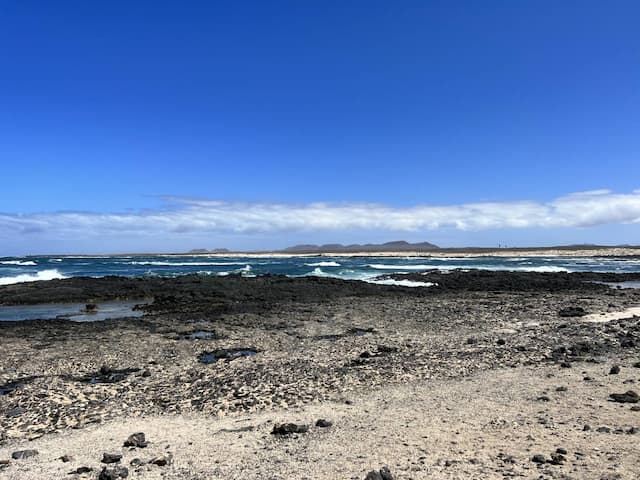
(184, 216)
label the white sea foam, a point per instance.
(246, 269)
(543, 269)
(323, 264)
(20, 263)
(318, 272)
(55, 259)
(186, 264)
(380, 266)
(42, 275)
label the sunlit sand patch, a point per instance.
(610, 316)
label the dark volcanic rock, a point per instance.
(22, 454)
(383, 474)
(136, 440)
(111, 457)
(627, 397)
(114, 473)
(289, 428)
(572, 312)
(614, 370)
(322, 423)
(81, 470)
(539, 459)
(108, 375)
(227, 354)
(162, 460)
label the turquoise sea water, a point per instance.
(22, 269)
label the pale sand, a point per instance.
(454, 429)
(610, 316)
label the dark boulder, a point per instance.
(572, 312)
(111, 457)
(627, 397)
(136, 440)
(289, 428)
(114, 473)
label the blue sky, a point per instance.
(139, 116)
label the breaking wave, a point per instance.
(379, 266)
(323, 264)
(186, 264)
(42, 275)
(20, 263)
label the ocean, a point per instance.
(26, 269)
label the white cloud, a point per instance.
(183, 216)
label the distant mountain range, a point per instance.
(398, 246)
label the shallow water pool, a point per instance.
(71, 311)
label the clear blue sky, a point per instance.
(108, 107)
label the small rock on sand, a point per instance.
(136, 440)
(627, 397)
(289, 428)
(114, 473)
(383, 474)
(22, 454)
(111, 457)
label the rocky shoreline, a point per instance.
(234, 347)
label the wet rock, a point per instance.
(114, 473)
(90, 308)
(15, 412)
(22, 454)
(9, 387)
(627, 397)
(136, 440)
(383, 474)
(289, 428)
(322, 423)
(111, 457)
(572, 312)
(615, 370)
(539, 459)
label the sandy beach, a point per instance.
(489, 375)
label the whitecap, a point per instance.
(323, 264)
(380, 266)
(185, 264)
(42, 275)
(20, 263)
